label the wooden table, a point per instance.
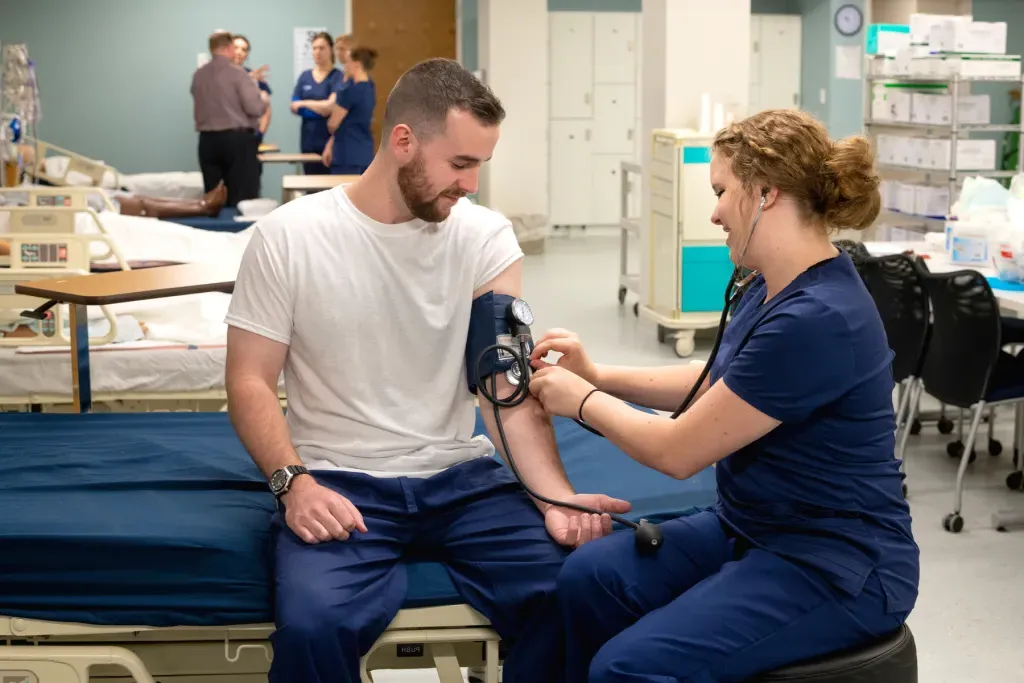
(115, 288)
(293, 186)
(290, 158)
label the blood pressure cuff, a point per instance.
(488, 324)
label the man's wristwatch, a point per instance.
(281, 480)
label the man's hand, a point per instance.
(573, 528)
(316, 513)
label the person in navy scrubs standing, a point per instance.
(313, 99)
(809, 548)
(352, 149)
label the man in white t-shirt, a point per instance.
(362, 296)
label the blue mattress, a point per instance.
(161, 519)
(223, 222)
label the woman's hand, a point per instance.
(574, 358)
(328, 153)
(559, 391)
(297, 105)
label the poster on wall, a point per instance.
(302, 48)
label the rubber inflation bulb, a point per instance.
(648, 537)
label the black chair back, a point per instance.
(965, 339)
(857, 251)
(897, 288)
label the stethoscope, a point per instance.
(647, 535)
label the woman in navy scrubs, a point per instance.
(313, 99)
(349, 123)
(809, 548)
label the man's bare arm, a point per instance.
(527, 427)
(253, 367)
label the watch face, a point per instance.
(277, 480)
(522, 312)
(849, 20)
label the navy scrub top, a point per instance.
(823, 489)
(353, 141)
(313, 133)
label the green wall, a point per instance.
(114, 74)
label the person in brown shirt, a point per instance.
(227, 108)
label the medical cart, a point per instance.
(686, 261)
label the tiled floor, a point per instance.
(969, 620)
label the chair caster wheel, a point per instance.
(945, 425)
(1014, 480)
(904, 491)
(636, 310)
(955, 449)
(995, 447)
(622, 295)
(915, 427)
(953, 523)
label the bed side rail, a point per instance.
(77, 163)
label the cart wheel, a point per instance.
(953, 523)
(684, 345)
(622, 295)
(636, 309)
(1014, 480)
(915, 427)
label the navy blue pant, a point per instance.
(333, 600)
(698, 611)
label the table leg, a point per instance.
(81, 381)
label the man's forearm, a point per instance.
(658, 388)
(532, 440)
(255, 412)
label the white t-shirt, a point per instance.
(376, 317)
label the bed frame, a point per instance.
(443, 638)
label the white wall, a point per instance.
(515, 181)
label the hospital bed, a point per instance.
(63, 168)
(139, 542)
(179, 366)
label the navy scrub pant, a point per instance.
(698, 611)
(333, 600)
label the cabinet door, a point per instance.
(780, 61)
(614, 119)
(615, 47)
(607, 188)
(572, 65)
(571, 151)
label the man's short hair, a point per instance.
(220, 40)
(427, 92)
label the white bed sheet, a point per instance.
(177, 370)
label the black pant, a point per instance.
(231, 156)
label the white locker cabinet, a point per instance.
(571, 180)
(594, 113)
(614, 119)
(615, 43)
(572, 67)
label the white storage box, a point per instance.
(938, 109)
(979, 37)
(905, 198)
(976, 66)
(921, 25)
(971, 155)
(890, 103)
(931, 201)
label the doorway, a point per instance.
(403, 33)
(775, 61)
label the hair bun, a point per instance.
(850, 189)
